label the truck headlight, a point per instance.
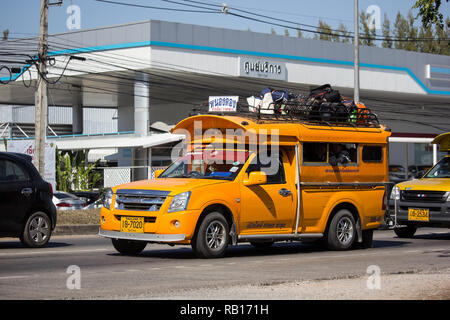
(395, 193)
(108, 199)
(179, 202)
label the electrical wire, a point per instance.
(186, 84)
(153, 7)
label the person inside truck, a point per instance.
(338, 154)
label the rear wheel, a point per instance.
(342, 231)
(37, 230)
(405, 231)
(212, 237)
(128, 247)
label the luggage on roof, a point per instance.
(323, 105)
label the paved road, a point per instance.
(164, 271)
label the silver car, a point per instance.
(67, 201)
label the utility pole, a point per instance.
(41, 93)
(356, 47)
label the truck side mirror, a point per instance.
(255, 178)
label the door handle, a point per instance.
(27, 191)
(284, 192)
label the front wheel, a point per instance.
(212, 237)
(128, 247)
(37, 230)
(405, 231)
(342, 231)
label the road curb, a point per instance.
(75, 229)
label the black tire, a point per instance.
(37, 230)
(405, 231)
(342, 231)
(212, 237)
(262, 244)
(128, 247)
(367, 239)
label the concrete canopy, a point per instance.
(187, 63)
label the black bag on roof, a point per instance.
(324, 93)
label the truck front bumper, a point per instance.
(439, 213)
(149, 237)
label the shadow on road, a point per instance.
(433, 236)
(247, 250)
(16, 244)
(389, 243)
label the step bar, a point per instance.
(279, 237)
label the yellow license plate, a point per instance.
(132, 224)
(418, 214)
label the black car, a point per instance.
(26, 207)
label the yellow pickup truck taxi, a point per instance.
(424, 202)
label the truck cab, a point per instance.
(424, 202)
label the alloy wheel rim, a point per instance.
(38, 229)
(345, 230)
(215, 235)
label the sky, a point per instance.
(21, 17)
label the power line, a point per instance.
(154, 7)
(327, 31)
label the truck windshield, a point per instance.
(440, 170)
(208, 164)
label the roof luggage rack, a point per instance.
(327, 114)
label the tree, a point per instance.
(443, 35)
(344, 33)
(386, 30)
(72, 172)
(272, 31)
(429, 11)
(407, 32)
(286, 32)
(412, 33)
(427, 46)
(400, 31)
(299, 32)
(324, 31)
(5, 34)
(367, 33)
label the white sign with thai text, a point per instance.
(223, 103)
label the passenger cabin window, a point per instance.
(9, 172)
(315, 152)
(330, 153)
(271, 166)
(372, 153)
(342, 153)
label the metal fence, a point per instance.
(113, 176)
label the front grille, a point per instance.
(424, 196)
(140, 200)
(146, 219)
(432, 209)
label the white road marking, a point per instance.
(42, 252)
(14, 277)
